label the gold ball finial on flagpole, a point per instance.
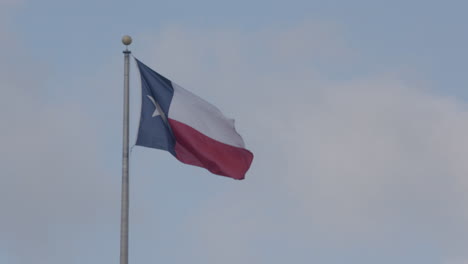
(126, 40)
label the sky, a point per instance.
(356, 112)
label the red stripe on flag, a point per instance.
(194, 148)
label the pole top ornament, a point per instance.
(126, 40)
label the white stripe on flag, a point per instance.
(197, 113)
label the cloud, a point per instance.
(364, 168)
(369, 162)
(10, 2)
(456, 261)
(55, 193)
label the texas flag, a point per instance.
(191, 129)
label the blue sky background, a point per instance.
(356, 112)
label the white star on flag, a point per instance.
(156, 106)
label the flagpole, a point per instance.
(126, 40)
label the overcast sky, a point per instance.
(356, 112)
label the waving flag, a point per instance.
(191, 129)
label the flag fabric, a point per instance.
(191, 129)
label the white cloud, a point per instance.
(341, 167)
(455, 261)
(369, 161)
(54, 191)
(10, 2)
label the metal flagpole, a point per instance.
(126, 40)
